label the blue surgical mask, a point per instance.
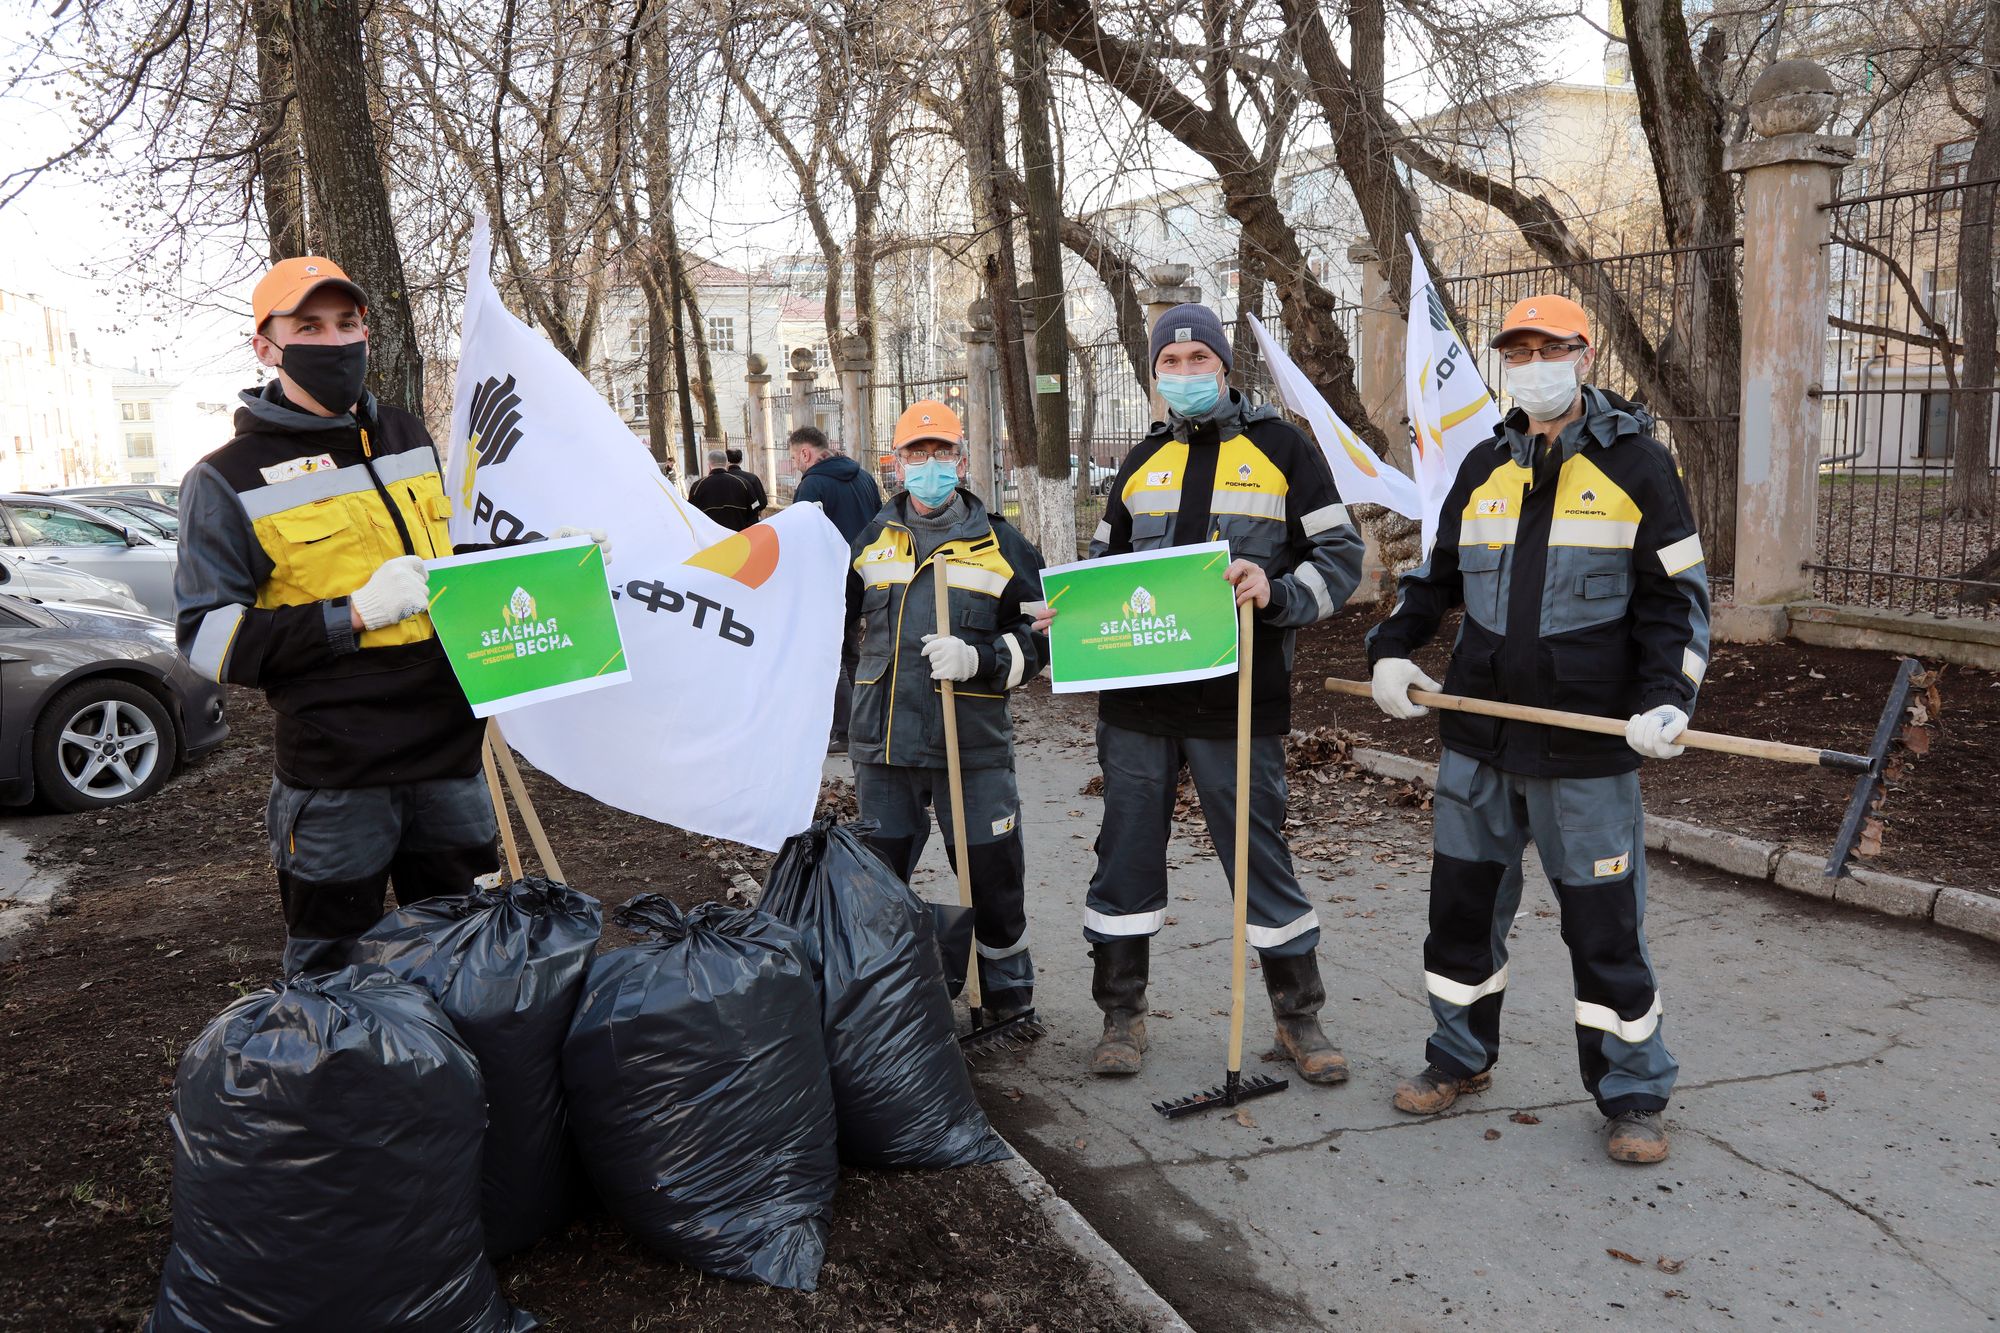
(931, 482)
(1191, 395)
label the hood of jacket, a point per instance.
(972, 520)
(267, 408)
(838, 467)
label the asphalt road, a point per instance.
(1836, 1131)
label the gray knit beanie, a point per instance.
(1191, 323)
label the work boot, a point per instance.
(1636, 1136)
(1434, 1090)
(1119, 987)
(1296, 996)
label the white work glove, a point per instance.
(396, 591)
(1394, 677)
(595, 534)
(1652, 732)
(951, 658)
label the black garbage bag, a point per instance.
(952, 925)
(699, 1093)
(326, 1167)
(506, 965)
(899, 1081)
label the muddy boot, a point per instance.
(1636, 1136)
(1119, 987)
(1296, 996)
(1434, 1090)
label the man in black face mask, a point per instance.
(301, 572)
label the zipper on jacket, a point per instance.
(395, 514)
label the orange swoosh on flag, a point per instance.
(1362, 458)
(750, 556)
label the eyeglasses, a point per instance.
(924, 453)
(1521, 356)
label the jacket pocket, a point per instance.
(1473, 673)
(326, 549)
(1595, 674)
(1479, 569)
(1151, 531)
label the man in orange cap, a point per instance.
(896, 735)
(1568, 540)
(301, 571)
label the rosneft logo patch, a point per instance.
(312, 268)
(1184, 335)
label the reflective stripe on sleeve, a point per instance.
(1017, 665)
(1032, 609)
(1683, 554)
(1133, 923)
(1270, 937)
(210, 651)
(1692, 666)
(1103, 533)
(1326, 516)
(963, 574)
(1460, 994)
(1313, 580)
(1631, 1031)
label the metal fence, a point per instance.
(1897, 416)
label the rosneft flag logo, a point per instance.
(492, 429)
(750, 556)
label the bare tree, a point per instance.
(1969, 495)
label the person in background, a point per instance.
(760, 500)
(841, 487)
(1569, 541)
(724, 497)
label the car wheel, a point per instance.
(103, 742)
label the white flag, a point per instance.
(1360, 476)
(1451, 410)
(733, 638)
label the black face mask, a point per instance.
(332, 375)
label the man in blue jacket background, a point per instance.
(840, 486)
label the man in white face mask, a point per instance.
(1568, 540)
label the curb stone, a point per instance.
(1796, 870)
(1084, 1240)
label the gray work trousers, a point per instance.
(1128, 892)
(899, 800)
(1590, 833)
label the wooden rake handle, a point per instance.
(1240, 881)
(942, 584)
(1746, 746)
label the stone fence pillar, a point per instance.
(1790, 173)
(982, 359)
(762, 456)
(805, 381)
(857, 401)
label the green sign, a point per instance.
(527, 623)
(1148, 618)
(1048, 384)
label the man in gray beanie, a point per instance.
(1216, 468)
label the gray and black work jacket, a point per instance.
(1243, 475)
(994, 586)
(1583, 584)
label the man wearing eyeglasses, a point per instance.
(896, 733)
(1569, 541)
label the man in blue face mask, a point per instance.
(896, 733)
(1215, 469)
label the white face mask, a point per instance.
(1543, 389)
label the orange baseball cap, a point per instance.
(927, 420)
(291, 281)
(1557, 316)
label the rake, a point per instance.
(1235, 1089)
(1009, 1034)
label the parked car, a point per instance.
(56, 531)
(40, 581)
(1100, 475)
(157, 522)
(97, 708)
(168, 495)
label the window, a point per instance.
(139, 446)
(721, 333)
(635, 338)
(145, 411)
(1949, 163)
(1232, 275)
(822, 358)
(129, 411)
(58, 527)
(1940, 286)
(1934, 427)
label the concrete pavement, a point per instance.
(1836, 1130)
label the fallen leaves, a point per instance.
(1666, 1265)
(1244, 1118)
(1627, 1258)
(1525, 1118)
(1492, 1134)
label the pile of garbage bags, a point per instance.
(355, 1145)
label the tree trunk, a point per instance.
(1249, 301)
(350, 201)
(676, 303)
(1969, 493)
(1055, 482)
(711, 415)
(278, 136)
(658, 323)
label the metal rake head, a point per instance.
(1009, 1034)
(1235, 1090)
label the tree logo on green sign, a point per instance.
(520, 607)
(1140, 604)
